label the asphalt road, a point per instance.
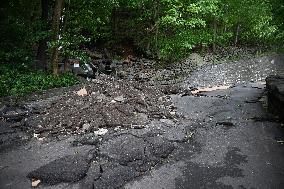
(223, 139)
(233, 146)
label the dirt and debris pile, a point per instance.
(102, 103)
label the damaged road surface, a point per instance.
(101, 134)
(104, 137)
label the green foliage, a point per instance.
(18, 20)
(69, 46)
(18, 80)
(164, 29)
(183, 26)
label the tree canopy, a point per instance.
(45, 31)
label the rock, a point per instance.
(117, 115)
(82, 92)
(167, 121)
(160, 147)
(96, 55)
(141, 153)
(187, 92)
(2, 108)
(9, 135)
(93, 174)
(122, 74)
(101, 131)
(174, 89)
(35, 183)
(141, 119)
(138, 126)
(88, 139)
(115, 176)
(119, 99)
(176, 133)
(101, 97)
(70, 168)
(124, 149)
(196, 60)
(95, 93)
(13, 114)
(275, 88)
(86, 126)
(225, 123)
(172, 113)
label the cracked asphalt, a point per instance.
(219, 139)
(244, 154)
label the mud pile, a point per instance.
(101, 103)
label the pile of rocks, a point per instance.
(144, 70)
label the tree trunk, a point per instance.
(65, 22)
(215, 35)
(66, 15)
(237, 33)
(156, 18)
(114, 16)
(41, 58)
(55, 34)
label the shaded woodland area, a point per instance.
(162, 94)
(41, 34)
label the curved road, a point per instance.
(234, 144)
(223, 139)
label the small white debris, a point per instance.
(138, 126)
(82, 92)
(35, 182)
(101, 131)
(95, 93)
(280, 141)
(40, 139)
(173, 113)
(117, 128)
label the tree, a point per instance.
(55, 34)
(164, 29)
(41, 58)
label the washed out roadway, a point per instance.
(224, 138)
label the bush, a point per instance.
(18, 80)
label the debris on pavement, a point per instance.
(35, 182)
